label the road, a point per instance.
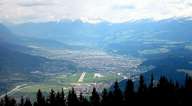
(82, 77)
(17, 88)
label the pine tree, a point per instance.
(62, 98)
(27, 102)
(1, 102)
(52, 98)
(12, 102)
(104, 100)
(21, 101)
(58, 101)
(6, 100)
(83, 101)
(117, 94)
(40, 99)
(151, 82)
(142, 86)
(95, 99)
(129, 92)
(110, 98)
(163, 86)
(72, 99)
(188, 85)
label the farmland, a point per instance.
(92, 69)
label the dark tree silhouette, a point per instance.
(72, 99)
(83, 101)
(142, 86)
(151, 85)
(129, 92)
(40, 99)
(2, 102)
(27, 102)
(166, 92)
(110, 98)
(7, 101)
(52, 98)
(62, 99)
(95, 98)
(117, 94)
(105, 99)
(21, 101)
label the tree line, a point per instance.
(163, 92)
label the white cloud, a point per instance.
(93, 11)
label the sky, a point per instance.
(93, 11)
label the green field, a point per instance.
(65, 81)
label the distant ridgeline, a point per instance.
(162, 92)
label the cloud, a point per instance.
(31, 3)
(129, 7)
(93, 11)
